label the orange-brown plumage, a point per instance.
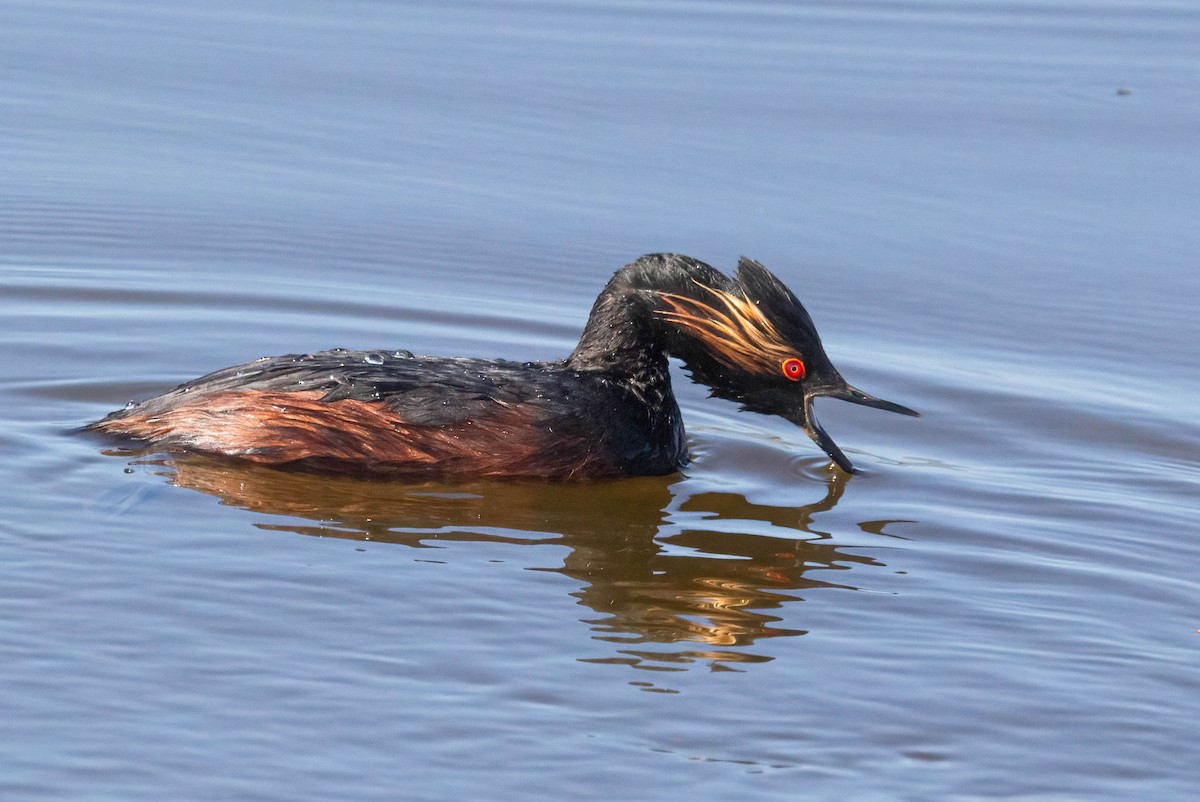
(275, 428)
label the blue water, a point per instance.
(990, 210)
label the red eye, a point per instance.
(793, 369)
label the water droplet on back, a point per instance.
(374, 359)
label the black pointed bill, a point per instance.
(807, 420)
(857, 396)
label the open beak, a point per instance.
(808, 421)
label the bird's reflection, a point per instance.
(672, 579)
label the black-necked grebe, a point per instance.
(606, 410)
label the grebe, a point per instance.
(606, 410)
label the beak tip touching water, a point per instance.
(819, 436)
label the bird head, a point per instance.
(751, 341)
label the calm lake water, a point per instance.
(991, 210)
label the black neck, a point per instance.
(623, 333)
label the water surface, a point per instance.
(989, 210)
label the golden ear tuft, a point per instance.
(735, 330)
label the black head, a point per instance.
(751, 341)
